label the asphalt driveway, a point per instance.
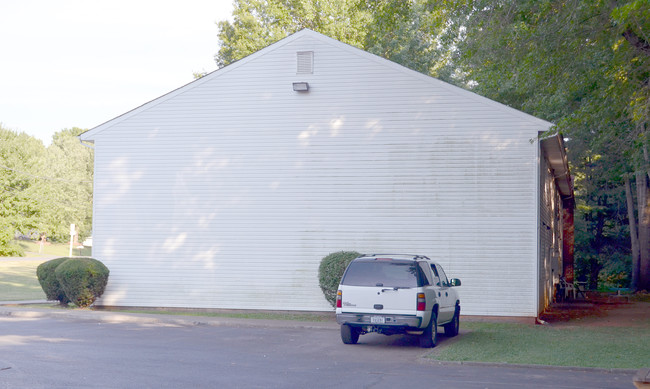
(81, 348)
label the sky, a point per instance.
(80, 63)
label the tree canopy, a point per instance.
(258, 23)
(584, 65)
(44, 189)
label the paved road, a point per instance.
(45, 351)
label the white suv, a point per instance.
(397, 294)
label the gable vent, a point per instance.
(305, 62)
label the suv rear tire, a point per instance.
(349, 334)
(429, 337)
(452, 328)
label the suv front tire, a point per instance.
(452, 328)
(429, 337)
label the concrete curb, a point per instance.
(24, 302)
(433, 361)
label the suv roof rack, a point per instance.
(411, 256)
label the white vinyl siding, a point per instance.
(226, 193)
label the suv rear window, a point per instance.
(393, 273)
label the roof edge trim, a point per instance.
(91, 133)
(555, 152)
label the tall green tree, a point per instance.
(406, 32)
(585, 66)
(19, 211)
(258, 23)
(68, 182)
(43, 190)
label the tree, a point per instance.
(43, 190)
(584, 66)
(19, 211)
(403, 31)
(68, 184)
(258, 23)
(408, 32)
(633, 19)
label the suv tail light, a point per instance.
(339, 296)
(422, 302)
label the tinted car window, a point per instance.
(426, 274)
(436, 276)
(443, 276)
(383, 273)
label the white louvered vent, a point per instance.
(305, 62)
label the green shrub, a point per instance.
(10, 249)
(49, 282)
(331, 270)
(82, 279)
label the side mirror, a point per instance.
(455, 282)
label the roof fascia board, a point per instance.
(555, 143)
(90, 134)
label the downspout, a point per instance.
(537, 228)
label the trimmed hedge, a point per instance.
(49, 282)
(82, 279)
(77, 280)
(331, 271)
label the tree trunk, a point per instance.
(636, 41)
(644, 230)
(634, 237)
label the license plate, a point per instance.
(377, 320)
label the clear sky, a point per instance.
(79, 63)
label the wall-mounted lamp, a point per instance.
(301, 86)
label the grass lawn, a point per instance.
(603, 347)
(18, 280)
(59, 249)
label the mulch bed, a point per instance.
(597, 305)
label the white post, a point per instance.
(72, 232)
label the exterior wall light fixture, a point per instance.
(301, 86)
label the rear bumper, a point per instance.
(364, 319)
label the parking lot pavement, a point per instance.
(84, 348)
(99, 316)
